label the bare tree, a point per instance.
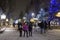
(21, 14)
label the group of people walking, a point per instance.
(25, 29)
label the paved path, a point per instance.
(14, 35)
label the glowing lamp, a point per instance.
(3, 16)
(33, 14)
(7, 20)
(58, 14)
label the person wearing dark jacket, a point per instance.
(30, 29)
(14, 25)
(41, 25)
(20, 28)
(49, 24)
(45, 26)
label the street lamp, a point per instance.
(33, 14)
(7, 20)
(58, 14)
(3, 16)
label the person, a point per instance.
(30, 29)
(49, 24)
(25, 29)
(41, 25)
(20, 28)
(14, 25)
(45, 26)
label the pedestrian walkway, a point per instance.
(14, 35)
(10, 29)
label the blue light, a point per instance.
(53, 2)
(54, 6)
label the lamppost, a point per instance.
(7, 22)
(58, 14)
(3, 17)
(33, 15)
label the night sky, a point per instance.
(20, 6)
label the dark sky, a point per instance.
(20, 6)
